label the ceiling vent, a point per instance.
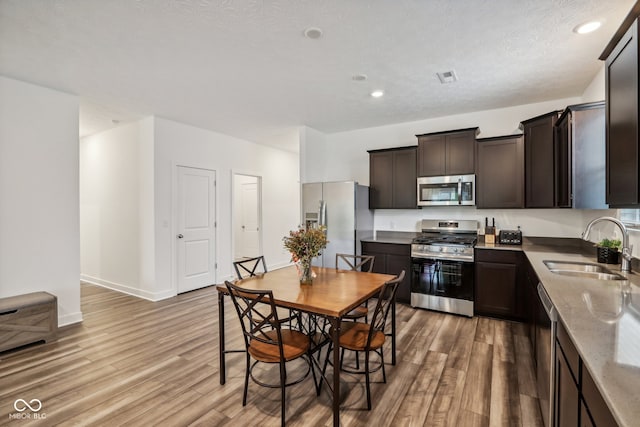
(447, 76)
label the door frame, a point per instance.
(234, 181)
(174, 219)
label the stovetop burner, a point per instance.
(446, 239)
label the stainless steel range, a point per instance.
(442, 266)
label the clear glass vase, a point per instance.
(305, 274)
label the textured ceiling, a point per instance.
(244, 68)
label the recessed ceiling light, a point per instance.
(377, 93)
(313, 33)
(359, 77)
(587, 27)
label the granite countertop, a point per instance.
(603, 320)
(395, 237)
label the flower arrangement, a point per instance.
(305, 244)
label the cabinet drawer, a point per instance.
(387, 248)
(569, 350)
(498, 255)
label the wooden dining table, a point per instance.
(332, 295)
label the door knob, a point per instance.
(180, 236)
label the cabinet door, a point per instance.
(538, 142)
(598, 409)
(566, 393)
(562, 162)
(585, 418)
(432, 155)
(495, 289)
(381, 180)
(404, 187)
(500, 173)
(392, 258)
(460, 154)
(395, 264)
(622, 121)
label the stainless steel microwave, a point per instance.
(452, 190)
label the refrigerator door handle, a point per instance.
(322, 217)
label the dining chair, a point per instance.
(356, 263)
(369, 337)
(250, 267)
(266, 341)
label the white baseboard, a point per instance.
(70, 319)
(141, 293)
(280, 265)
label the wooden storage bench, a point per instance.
(29, 318)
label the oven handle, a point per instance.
(418, 258)
(459, 191)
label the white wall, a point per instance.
(596, 89)
(39, 224)
(116, 208)
(343, 156)
(314, 164)
(178, 144)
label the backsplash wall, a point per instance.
(533, 222)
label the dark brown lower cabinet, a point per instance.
(567, 395)
(392, 258)
(585, 419)
(499, 290)
(577, 399)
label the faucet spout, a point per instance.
(626, 250)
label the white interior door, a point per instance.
(246, 214)
(250, 220)
(196, 228)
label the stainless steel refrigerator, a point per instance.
(343, 207)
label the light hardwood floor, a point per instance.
(138, 363)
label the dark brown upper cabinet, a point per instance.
(500, 172)
(447, 153)
(622, 91)
(579, 169)
(539, 152)
(392, 178)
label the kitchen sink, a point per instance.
(582, 269)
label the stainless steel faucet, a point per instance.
(626, 250)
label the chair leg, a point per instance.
(384, 374)
(366, 374)
(313, 372)
(324, 368)
(246, 381)
(283, 382)
(341, 358)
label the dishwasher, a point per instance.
(546, 323)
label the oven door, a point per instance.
(446, 190)
(443, 285)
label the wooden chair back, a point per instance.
(250, 267)
(257, 323)
(385, 299)
(356, 262)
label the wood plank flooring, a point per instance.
(139, 363)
